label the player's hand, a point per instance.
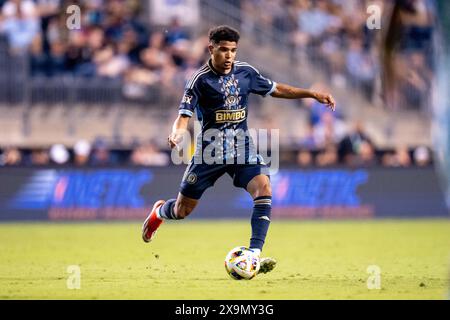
(174, 139)
(326, 99)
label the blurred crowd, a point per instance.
(354, 150)
(334, 35)
(332, 140)
(115, 42)
(111, 43)
(84, 153)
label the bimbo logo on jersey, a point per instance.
(230, 115)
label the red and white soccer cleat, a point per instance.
(152, 223)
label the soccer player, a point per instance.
(218, 92)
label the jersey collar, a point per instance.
(210, 65)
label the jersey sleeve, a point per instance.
(188, 102)
(260, 85)
(190, 99)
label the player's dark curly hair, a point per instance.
(223, 33)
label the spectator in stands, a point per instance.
(137, 81)
(415, 79)
(134, 43)
(350, 147)
(148, 154)
(82, 150)
(388, 159)
(360, 66)
(11, 156)
(59, 154)
(315, 113)
(332, 58)
(366, 156)
(48, 11)
(38, 58)
(330, 130)
(308, 141)
(328, 156)
(78, 59)
(20, 24)
(285, 18)
(52, 31)
(315, 21)
(169, 66)
(422, 157)
(82, 49)
(401, 157)
(305, 158)
(249, 15)
(175, 32)
(120, 17)
(57, 58)
(417, 18)
(94, 12)
(40, 157)
(101, 155)
(112, 61)
(411, 28)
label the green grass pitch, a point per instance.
(316, 260)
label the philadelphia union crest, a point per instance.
(191, 178)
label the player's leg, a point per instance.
(251, 178)
(261, 192)
(196, 180)
(172, 209)
(257, 184)
(177, 209)
(152, 222)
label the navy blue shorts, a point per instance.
(199, 177)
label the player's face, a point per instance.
(223, 55)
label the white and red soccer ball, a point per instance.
(241, 263)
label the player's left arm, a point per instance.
(288, 92)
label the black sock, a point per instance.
(167, 210)
(260, 221)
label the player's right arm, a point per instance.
(179, 128)
(185, 112)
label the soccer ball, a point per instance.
(241, 263)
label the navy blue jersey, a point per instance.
(221, 104)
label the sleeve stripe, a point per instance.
(196, 73)
(195, 76)
(274, 86)
(245, 64)
(186, 112)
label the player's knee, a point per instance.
(264, 189)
